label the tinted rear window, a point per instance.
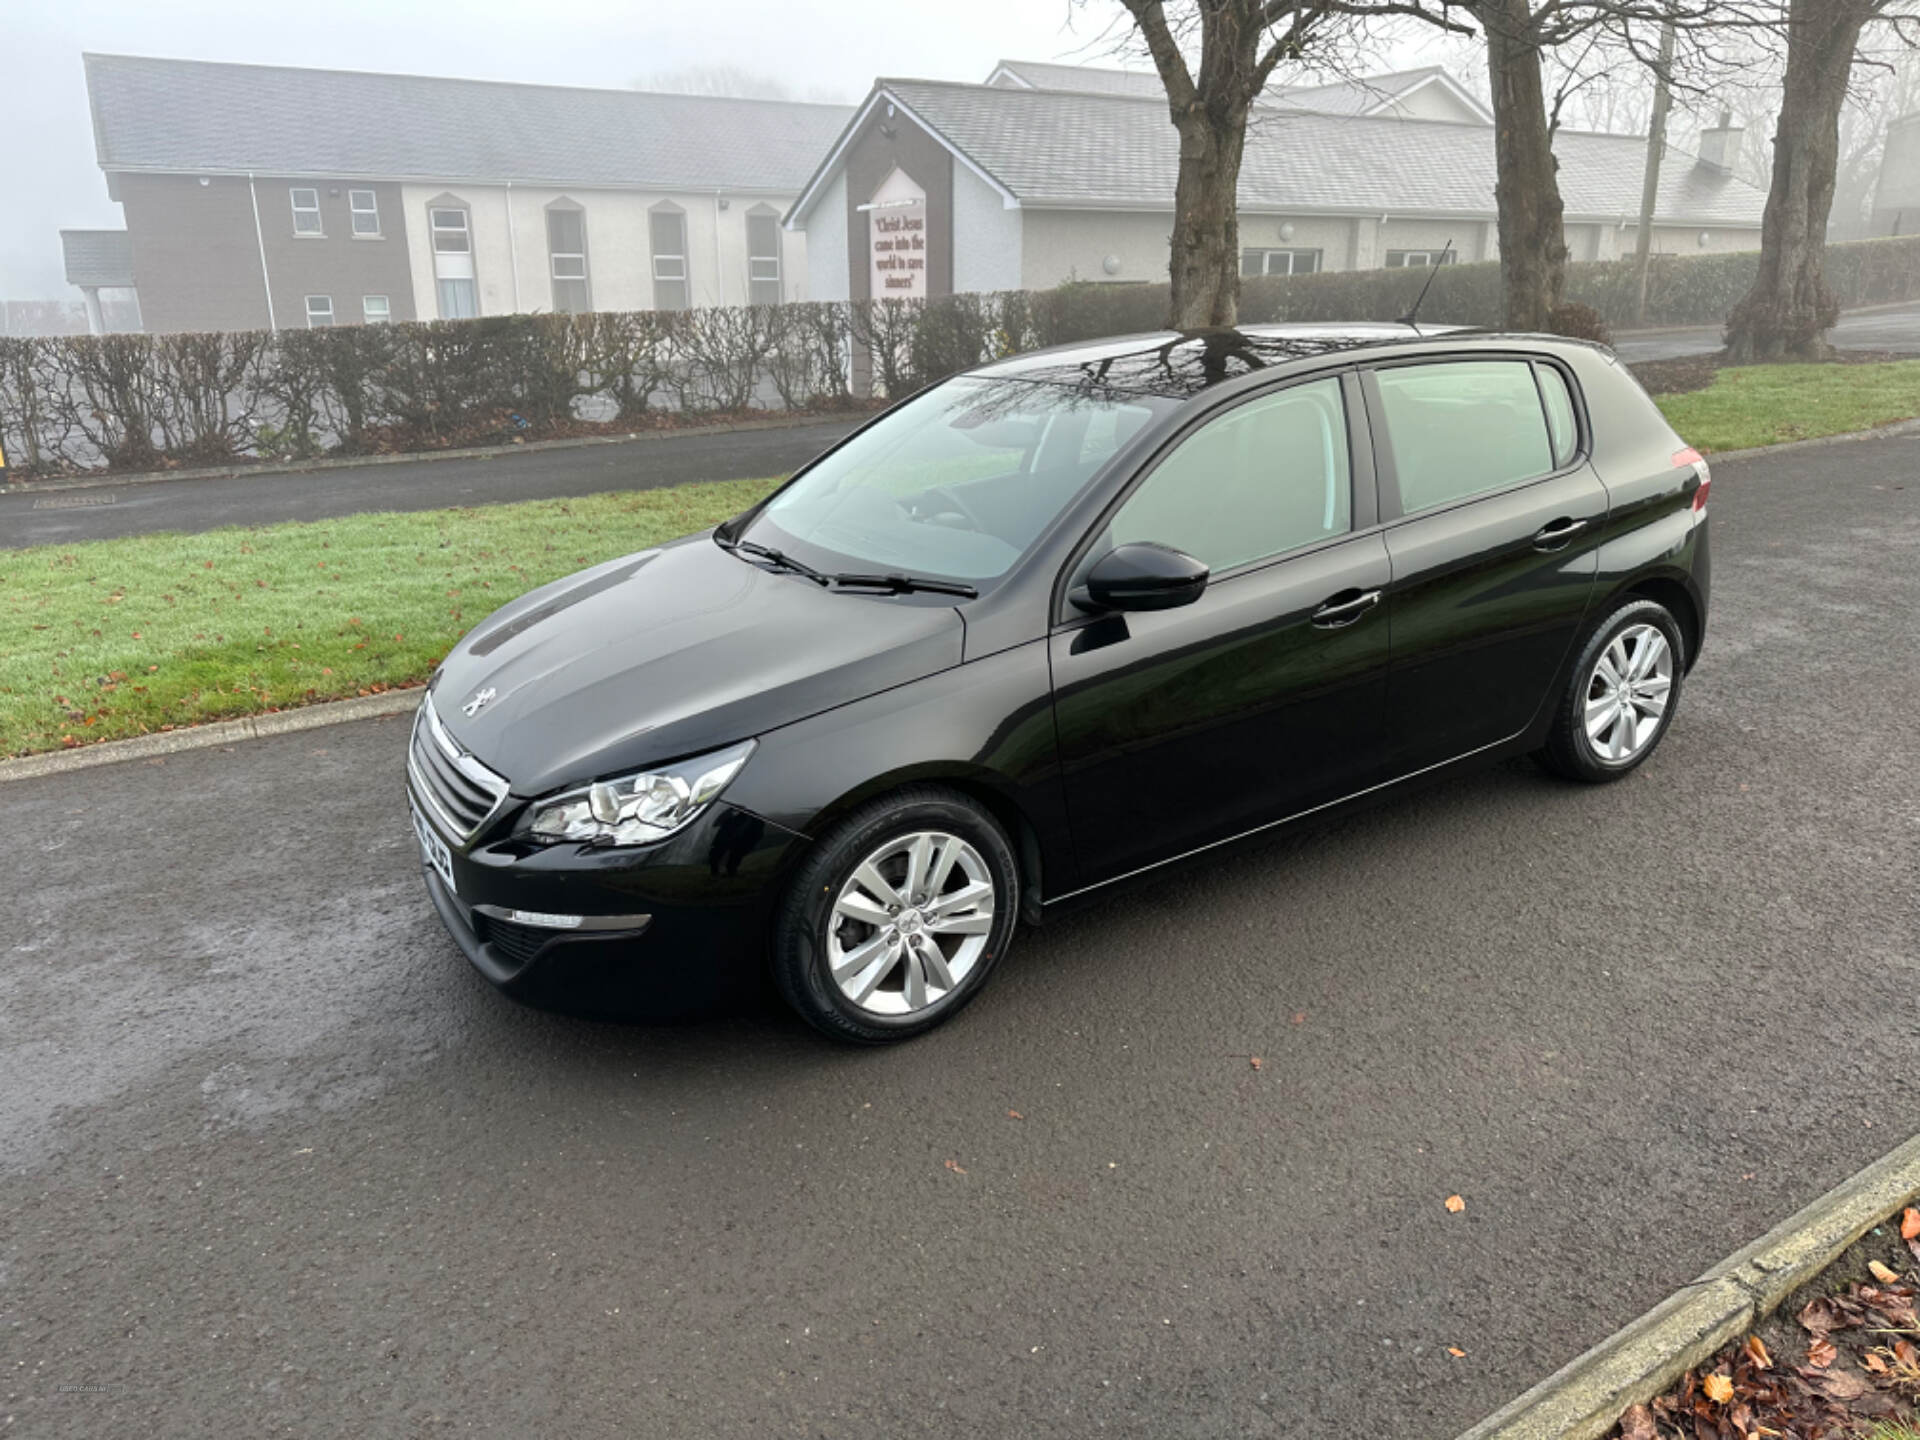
(1462, 428)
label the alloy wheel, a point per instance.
(1627, 693)
(910, 924)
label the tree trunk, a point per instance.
(1789, 309)
(1533, 246)
(1650, 180)
(1205, 264)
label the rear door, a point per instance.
(1262, 698)
(1493, 519)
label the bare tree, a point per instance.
(1241, 42)
(722, 80)
(1789, 309)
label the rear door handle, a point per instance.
(1558, 533)
(1344, 608)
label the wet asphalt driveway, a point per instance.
(273, 1161)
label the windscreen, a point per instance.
(957, 483)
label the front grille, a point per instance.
(515, 943)
(459, 790)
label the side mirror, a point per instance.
(1142, 576)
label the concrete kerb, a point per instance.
(220, 732)
(1583, 1400)
(472, 452)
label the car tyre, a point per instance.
(849, 923)
(1621, 697)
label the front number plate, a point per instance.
(432, 848)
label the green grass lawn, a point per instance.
(1766, 404)
(121, 637)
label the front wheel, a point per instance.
(1621, 699)
(897, 917)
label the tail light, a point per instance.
(1694, 458)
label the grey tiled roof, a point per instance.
(98, 257)
(181, 115)
(1340, 97)
(1051, 148)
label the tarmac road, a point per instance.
(274, 1161)
(66, 517)
(1886, 328)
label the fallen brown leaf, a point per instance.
(1015, 1115)
(1455, 1204)
(1882, 1273)
(1637, 1424)
(1758, 1350)
(1456, 1352)
(1254, 1060)
(1821, 1352)
(1873, 1362)
(1719, 1388)
(1910, 1224)
(956, 1167)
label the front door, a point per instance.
(1495, 551)
(1182, 727)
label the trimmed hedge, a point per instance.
(138, 401)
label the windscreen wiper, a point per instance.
(779, 559)
(900, 584)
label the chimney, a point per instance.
(1719, 144)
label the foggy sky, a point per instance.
(819, 49)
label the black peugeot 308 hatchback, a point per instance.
(1042, 628)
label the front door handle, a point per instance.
(1345, 608)
(1558, 534)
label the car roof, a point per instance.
(1177, 365)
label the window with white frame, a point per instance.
(375, 309)
(667, 229)
(319, 311)
(1279, 262)
(763, 257)
(451, 231)
(567, 258)
(366, 211)
(1419, 259)
(306, 211)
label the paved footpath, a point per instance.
(274, 1162)
(102, 513)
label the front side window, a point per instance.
(763, 259)
(1419, 259)
(668, 231)
(365, 206)
(1266, 477)
(1279, 262)
(319, 311)
(376, 309)
(306, 211)
(567, 257)
(1463, 428)
(458, 299)
(958, 482)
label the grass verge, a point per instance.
(1749, 406)
(122, 637)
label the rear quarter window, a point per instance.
(1462, 428)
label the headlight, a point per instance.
(638, 809)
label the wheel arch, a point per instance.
(981, 786)
(1672, 592)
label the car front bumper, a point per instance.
(678, 926)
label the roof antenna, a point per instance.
(1411, 317)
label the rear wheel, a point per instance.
(897, 917)
(1621, 699)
